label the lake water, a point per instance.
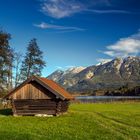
(93, 99)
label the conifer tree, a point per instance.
(33, 62)
(6, 62)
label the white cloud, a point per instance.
(44, 25)
(61, 8)
(65, 8)
(125, 47)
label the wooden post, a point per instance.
(13, 108)
(58, 108)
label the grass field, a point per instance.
(110, 121)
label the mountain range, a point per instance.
(109, 75)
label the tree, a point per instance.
(33, 62)
(10, 65)
(6, 61)
(17, 64)
(4, 38)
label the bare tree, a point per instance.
(17, 63)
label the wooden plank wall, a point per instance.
(33, 90)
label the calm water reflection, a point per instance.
(105, 98)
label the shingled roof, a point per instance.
(48, 84)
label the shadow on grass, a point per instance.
(6, 112)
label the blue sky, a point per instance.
(73, 32)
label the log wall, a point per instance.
(41, 106)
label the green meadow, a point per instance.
(100, 121)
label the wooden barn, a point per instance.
(39, 95)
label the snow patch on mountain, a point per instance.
(74, 70)
(102, 61)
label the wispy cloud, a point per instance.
(125, 47)
(61, 8)
(59, 67)
(65, 67)
(108, 11)
(103, 60)
(65, 8)
(44, 25)
(70, 66)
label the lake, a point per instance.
(94, 99)
(90, 99)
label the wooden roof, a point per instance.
(48, 84)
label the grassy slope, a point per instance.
(109, 121)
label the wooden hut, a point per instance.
(39, 95)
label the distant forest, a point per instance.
(125, 90)
(16, 67)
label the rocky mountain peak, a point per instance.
(112, 74)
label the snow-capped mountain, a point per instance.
(112, 74)
(64, 77)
